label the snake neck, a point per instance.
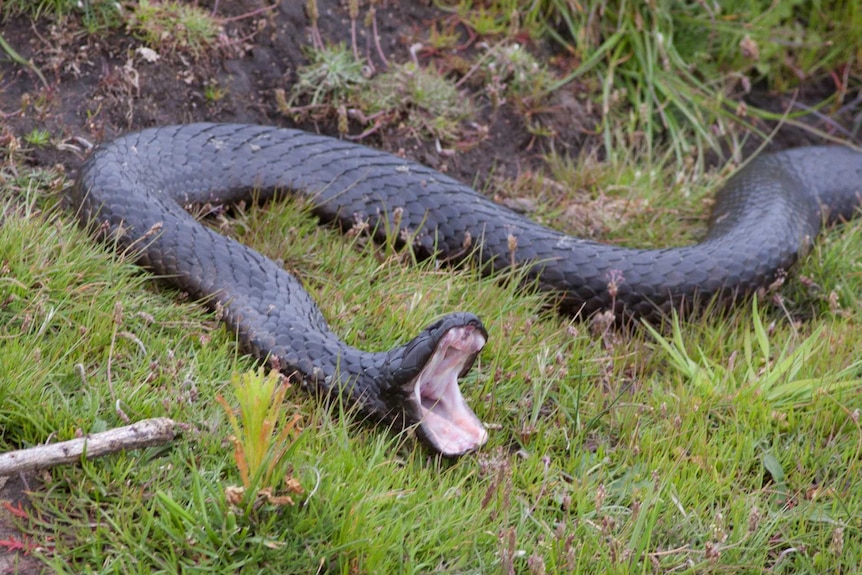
(412, 386)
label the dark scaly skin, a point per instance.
(764, 218)
(133, 191)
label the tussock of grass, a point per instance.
(430, 104)
(174, 26)
(96, 15)
(332, 74)
(420, 100)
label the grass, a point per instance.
(96, 15)
(717, 444)
(675, 72)
(38, 138)
(604, 454)
(173, 26)
(162, 24)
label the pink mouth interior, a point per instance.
(446, 419)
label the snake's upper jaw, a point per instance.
(446, 422)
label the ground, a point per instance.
(98, 88)
(101, 87)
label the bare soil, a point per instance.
(14, 545)
(101, 86)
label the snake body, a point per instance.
(134, 190)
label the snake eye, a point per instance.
(445, 420)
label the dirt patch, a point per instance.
(101, 87)
(15, 546)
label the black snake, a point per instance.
(134, 190)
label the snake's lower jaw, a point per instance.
(446, 422)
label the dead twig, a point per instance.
(145, 433)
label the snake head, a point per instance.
(431, 399)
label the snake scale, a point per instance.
(134, 191)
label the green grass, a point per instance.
(162, 24)
(671, 75)
(173, 26)
(97, 16)
(605, 455)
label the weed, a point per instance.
(96, 15)
(332, 76)
(38, 137)
(334, 82)
(520, 69)
(509, 72)
(442, 37)
(263, 438)
(427, 102)
(213, 92)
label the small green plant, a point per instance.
(420, 99)
(506, 17)
(331, 76)
(173, 25)
(425, 99)
(38, 137)
(263, 438)
(96, 15)
(443, 37)
(520, 69)
(213, 93)
(101, 15)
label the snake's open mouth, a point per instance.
(445, 420)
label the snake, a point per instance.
(135, 193)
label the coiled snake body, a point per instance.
(134, 190)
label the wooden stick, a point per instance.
(145, 433)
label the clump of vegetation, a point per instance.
(678, 69)
(417, 98)
(425, 101)
(175, 26)
(263, 438)
(511, 74)
(38, 137)
(95, 14)
(767, 372)
(332, 76)
(520, 70)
